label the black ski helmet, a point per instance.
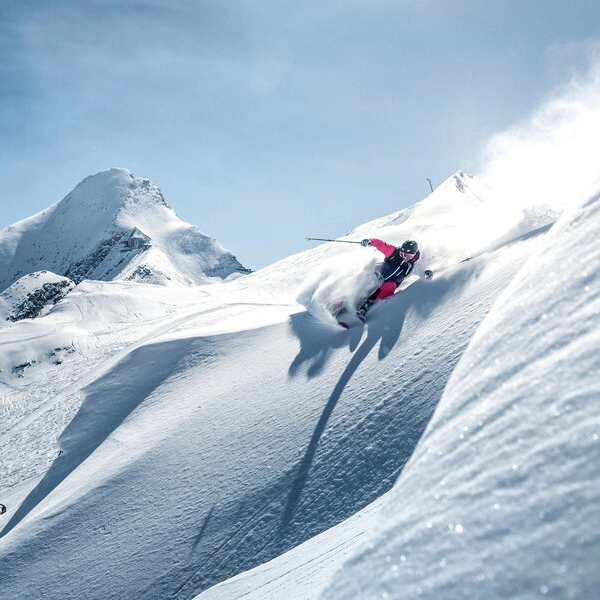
(410, 247)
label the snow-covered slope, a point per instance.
(502, 496)
(113, 226)
(205, 430)
(473, 287)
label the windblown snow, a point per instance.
(231, 441)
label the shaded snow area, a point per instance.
(232, 441)
(113, 226)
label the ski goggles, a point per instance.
(406, 255)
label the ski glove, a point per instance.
(365, 243)
(428, 274)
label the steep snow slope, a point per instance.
(306, 569)
(209, 429)
(88, 235)
(501, 497)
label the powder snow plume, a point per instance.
(538, 166)
(338, 280)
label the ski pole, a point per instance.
(328, 240)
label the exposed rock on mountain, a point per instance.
(32, 295)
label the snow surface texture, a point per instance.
(500, 499)
(502, 496)
(113, 226)
(427, 352)
(191, 433)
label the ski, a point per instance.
(347, 319)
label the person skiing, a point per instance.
(398, 264)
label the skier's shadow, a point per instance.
(317, 343)
(107, 403)
(385, 326)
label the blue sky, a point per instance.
(266, 121)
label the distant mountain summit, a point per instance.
(113, 226)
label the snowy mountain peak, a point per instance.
(113, 226)
(108, 192)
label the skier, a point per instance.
(398, 264)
